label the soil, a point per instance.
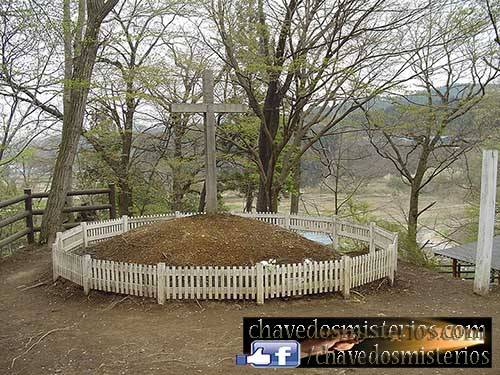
(55, 329)
(211, 240)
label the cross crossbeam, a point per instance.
(203, 108)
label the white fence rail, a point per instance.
(257, 282)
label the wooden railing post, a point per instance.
(112, 201)
(346, 260)
(87, 273)
(28, 206)
(160, 290)
(260, 283)
(372, 237)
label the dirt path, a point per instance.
(110, 334)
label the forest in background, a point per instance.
(352, 104)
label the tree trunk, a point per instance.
(295, 198)
(266, 195)
(68, 217)
(268, 130)
(275, 193)
(249, 198)
(52, 218)
(416, 185)
(203, 195)
(125, 196)
(178, 194)
(178, 172)
(79, 83)
(413, 215)
(262, 196)
(338, 168)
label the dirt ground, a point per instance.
(55, 329)
(212, 240)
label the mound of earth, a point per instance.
(211, 240)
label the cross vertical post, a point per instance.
(210, 149)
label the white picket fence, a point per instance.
(256, 282)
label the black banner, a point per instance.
(380, 341)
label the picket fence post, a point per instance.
(391, 257)
(87, 273)
(346, 261)
(372, 237)
(160, 291)
(125, 223)
(59, 241)
(287, 221)
(260, 283)
(83, 225)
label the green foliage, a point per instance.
(8, 189)
(470, 229)
(92, 170)
(348, 245)
(357, 210)
(239, 173)
(149, 197)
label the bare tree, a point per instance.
(429, 131)
(29, 68)
(339, 156)
(344, 49)
(20, 124)
(27, 83)
(493, 12)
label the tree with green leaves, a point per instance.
(137, 36)
(81, 41)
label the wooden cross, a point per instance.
(209, 108)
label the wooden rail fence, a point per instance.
(258, 282)
(29, 212)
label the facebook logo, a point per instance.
(276, 353)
